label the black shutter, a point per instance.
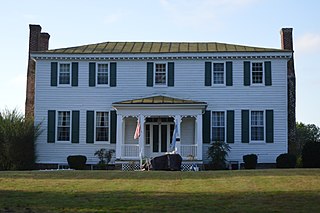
(90, 126)
(246, 73)
(229, 80)
(208, 74)
(170, 74)
(113, 126)
(75, 127)
(149, 74)
(268, 73)
(245, 126)
(113, 74)
(51, 134)
(54, 74)
(269, 126)
(92, 74)
(75, 70)
(230, 126)
(206, 127)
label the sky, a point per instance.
(79, 22)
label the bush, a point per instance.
(17, 137)
(77, 162)
(218, 153)
(311, 155)
(250, 161)
(104, 156)
(286, 160)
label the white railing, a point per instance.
(188, 151)
(130, 150)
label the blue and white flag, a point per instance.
(175, 137)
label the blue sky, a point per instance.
(247, 22)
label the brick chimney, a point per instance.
(287, 44)
(38, 41)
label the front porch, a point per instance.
(159, 117)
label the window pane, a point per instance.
(218, 73)
(218, 126)
(257, 73)
(160, 74)
(63, 129)
(102, 74)
(102, 126)
(257, 126)
(64, 74)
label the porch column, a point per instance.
(178, 134)
(199, 136)
(141, 138)
(119, 136)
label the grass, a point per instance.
(296, 190)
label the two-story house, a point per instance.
(91, 97)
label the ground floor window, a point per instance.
(102, 126)
(257, 126)
(63, 128)
(218, 126)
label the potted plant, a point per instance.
(104, 156)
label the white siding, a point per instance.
(187, 131)
(189, 84)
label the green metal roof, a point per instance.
(160, 99)
(159, 47)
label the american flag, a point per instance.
(137, 132)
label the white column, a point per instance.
(141, 138)
(199, 136)
(119, 136)
(177, 120)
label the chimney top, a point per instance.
(35, 27)
(286, 39)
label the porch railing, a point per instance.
(130, 150)
(188, 151)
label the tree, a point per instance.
(17, 137)
(306, 133)
(218, 153)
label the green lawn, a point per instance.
(296, 190)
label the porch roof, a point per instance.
(159, 99)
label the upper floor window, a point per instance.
(64, 74)
(218, 73)
(102, 74)
(160, 74)
(257, 73)
(257, 126)
(63, 127)
(102, 126)
(218, 126)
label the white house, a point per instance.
(90, 97)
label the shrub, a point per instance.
(17, 137)
(104, 156)
(218, 153)
(77, 162)
(250, 161)
(286, 160)
(311, 155)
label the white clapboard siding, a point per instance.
(187, 131)
(188, 84)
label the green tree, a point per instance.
(306, 133)
(17, 137)
(218, 153)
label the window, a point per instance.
(218, 126)
(160, 74)
(64, 74)
(63, 129)
(257, 73)
(218, 73)
(257, 126)
(102, 74)
(102, 126)
(148, 134)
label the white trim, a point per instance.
(70, 75)
(96, 72)
(264, 127)
(95, 128)
(154, 74)
(224, 73)
(56, 127)
(225, 124)
(263, 74)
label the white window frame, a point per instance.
(70, 73)
(264, 127)
(95, 127)
(154, 75)
(224, 73)
(225, 124)
(102, 85)
(263, 74)
(57, 126)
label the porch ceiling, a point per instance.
(160, 99)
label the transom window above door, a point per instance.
(160, 75)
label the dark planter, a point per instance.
(168, 162)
